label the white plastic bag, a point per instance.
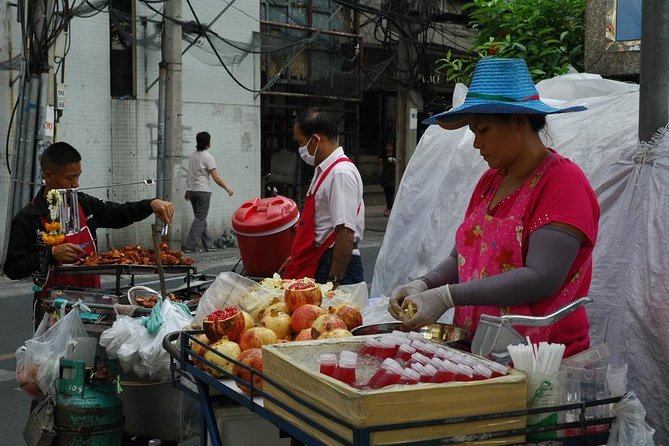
(129, 341)
(38, 360)
(230, 289)
(630, 427)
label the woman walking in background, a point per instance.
(201, 166)
(388, 163)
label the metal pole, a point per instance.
(42, 140)
(654, 77)
(160, 161)
(173, 130)
(19, 149)
(29, 148)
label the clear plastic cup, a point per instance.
(371, 348)
(328, 363)
(346, 370)
(428, 373)
(386, 348)
(409, 376)
(420, 358)
(389, 373)
(405, 351)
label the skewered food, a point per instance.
(136, 255)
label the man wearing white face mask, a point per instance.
(332, 221)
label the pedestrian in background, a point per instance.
(388, 163)
(201, 166)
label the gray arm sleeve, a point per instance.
(550, 254)
(443, 274)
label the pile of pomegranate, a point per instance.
(239, 336)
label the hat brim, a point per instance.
(459, 116)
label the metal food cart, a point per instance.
(209, 390)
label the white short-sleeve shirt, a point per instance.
(339, 198)
(200, 163)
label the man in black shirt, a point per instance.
(28, 254)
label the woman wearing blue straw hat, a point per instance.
(525, 245)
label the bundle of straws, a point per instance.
(543, 359)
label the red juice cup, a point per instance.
(427, 375)
(346, 370)
(328, 363)
(405, 351)
(371, 348)
(386, 349)
(388, 374)
(409, 376)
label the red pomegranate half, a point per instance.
(228, 322)
(302, 292)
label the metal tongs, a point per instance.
(495, 333)
(158, 235)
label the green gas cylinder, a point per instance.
(88, 412)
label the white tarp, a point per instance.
(630, 285)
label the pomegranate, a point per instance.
(278, 322)
(336, 333)
(304, 316)
(253, 359)
(199, 349)
(305, 335)
(349, 314)
(276, 304)
(226, 348)
(228, 322)
(256, 337)
(302, 292)
(327, 322)
(248, 321)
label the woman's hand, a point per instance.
(402, 291)
(430, 305)
(163, 209)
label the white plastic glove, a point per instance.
(430, 305)
(397, 296)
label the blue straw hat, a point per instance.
(498, 86)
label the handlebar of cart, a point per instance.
(211, 390)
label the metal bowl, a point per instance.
(441, 333)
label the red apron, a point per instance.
(488, 245)
(306, 255)
(84, 239)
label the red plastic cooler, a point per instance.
(264, 229)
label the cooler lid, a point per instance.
(265, 215)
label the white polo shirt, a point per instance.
(339, 199)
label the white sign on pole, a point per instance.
(413, 118)
(49, 123)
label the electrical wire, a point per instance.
(213, 47)
(9, 127)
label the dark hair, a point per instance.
(313, 121)
(537, 121)
(203, 140)
(59, 154)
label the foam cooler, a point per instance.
(265, 233)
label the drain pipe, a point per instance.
(654, 77)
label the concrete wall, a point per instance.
(117, 137)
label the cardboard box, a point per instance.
(291, 366)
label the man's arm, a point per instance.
(119, 215)
(341, 253)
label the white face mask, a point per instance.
(304, 154)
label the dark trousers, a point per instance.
(390, 195)
(354, 271)
(198, 230)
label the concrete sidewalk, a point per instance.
(375, 227)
